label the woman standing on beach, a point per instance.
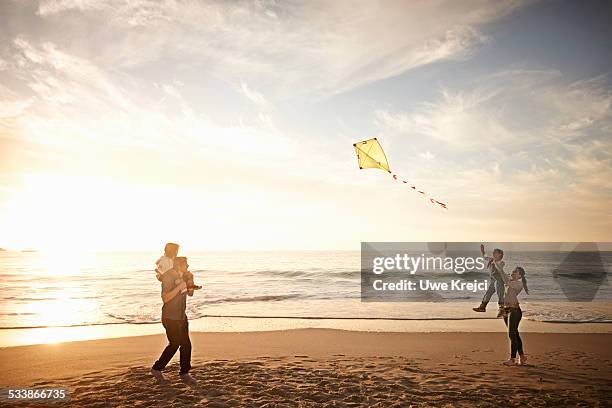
(513, 313)
(174, 295)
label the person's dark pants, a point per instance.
(177, 332)
(496, 284)
(512, 319)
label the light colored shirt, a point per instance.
(513, 288)
(494, 267)
(164, 264)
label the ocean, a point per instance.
(59, 290)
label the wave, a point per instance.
(312, 273)
(355, 274)
(129, 321)
(265, 298)
(595, 320)
(48, 298)
(193, 308)
(450, 274)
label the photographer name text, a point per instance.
(426, 284)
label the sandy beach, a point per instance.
(305, 203)
(312, 367)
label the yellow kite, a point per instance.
(370, 155)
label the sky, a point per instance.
(229, 125)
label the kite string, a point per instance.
(431, 199)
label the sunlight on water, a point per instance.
(52, 289)
(58, 264)
(64, 307)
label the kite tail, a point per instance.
(431, 200)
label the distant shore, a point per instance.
(319, 366)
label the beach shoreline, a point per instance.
(48, 335)
(317, 366)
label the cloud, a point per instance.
(455, 44)
(9, 109)
(464, 120)
(226, 101)
(516, 142)
(510, 108)
(583, 105)
(254, 96)
(75, 103)
(11, 104)
(427, 155)
(50, 7)
(591, 164)
(59, 78)
(307, 48)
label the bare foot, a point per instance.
(187, 378)
(159, 377)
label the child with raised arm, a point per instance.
(495, 266)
